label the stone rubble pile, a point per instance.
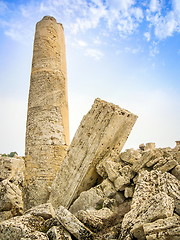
(130, 195)
(11, 185)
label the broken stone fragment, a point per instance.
(167, 166)
(154, 161)
(176, 172)
(153, 182)
(45, 211)
(168, 228)
(155, 207)
(130, 155)
(145, 158)
(129, 191)
(112, 169)
(95, 219)
(10, 198)
(36, 235)
(12, 169)
(125, 176)
(95, 197)
(58, 233)
(149, 146)
(73, 225)
(21, 226)
(4, 215)
(103, 130)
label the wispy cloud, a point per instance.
(94, 53)
(123, 17)
(3, 7)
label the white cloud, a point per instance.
(122, 5)
(133, 50)
(154, 50)
(147, 35)
(3, 7)
(154, 5)
(78, 16)
(94, 53)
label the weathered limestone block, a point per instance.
(58, 233)
(36, 235)
(12, 169)
(167, 166)
(149, 146)
(47, 130)
(21, 226)
(156, 207)
(101, 195)
(45, 211)
(10, 198)
(145, 158)
(108, 188)
(73, 225)
(130, 155)
(95, 219)
(93, 198)
(5, 215)
(126, 174)
(153, 182)
(154, 161)
(129, 191)
(109, 167)
(176, 172)
(104, 129)
(168, 228)
(112, 170)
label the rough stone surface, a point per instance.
(151, 183)
(168, 228)
(176, 172)
(10, 198)
(45, 210)
(126, 174)
(95, 198)
(58, 233)
(73, 225)
(95, 219)
(12, 169)
(104, 129)
(47, 131)
(21, 226)
(156, 207)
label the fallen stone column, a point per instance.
(103, 131)
(73, 225)
(47, 130)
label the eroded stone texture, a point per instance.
(10, 199)
(19, 227)
(58, 233)
(73, 225)
(12, 169)
(47, 131)
(156, 196)
(103, 130)
(168, 228)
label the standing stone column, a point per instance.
(47, 130)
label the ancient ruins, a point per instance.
(88, 189)
(47, 131)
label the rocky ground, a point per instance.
(138, 197)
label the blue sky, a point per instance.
(123, 51)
